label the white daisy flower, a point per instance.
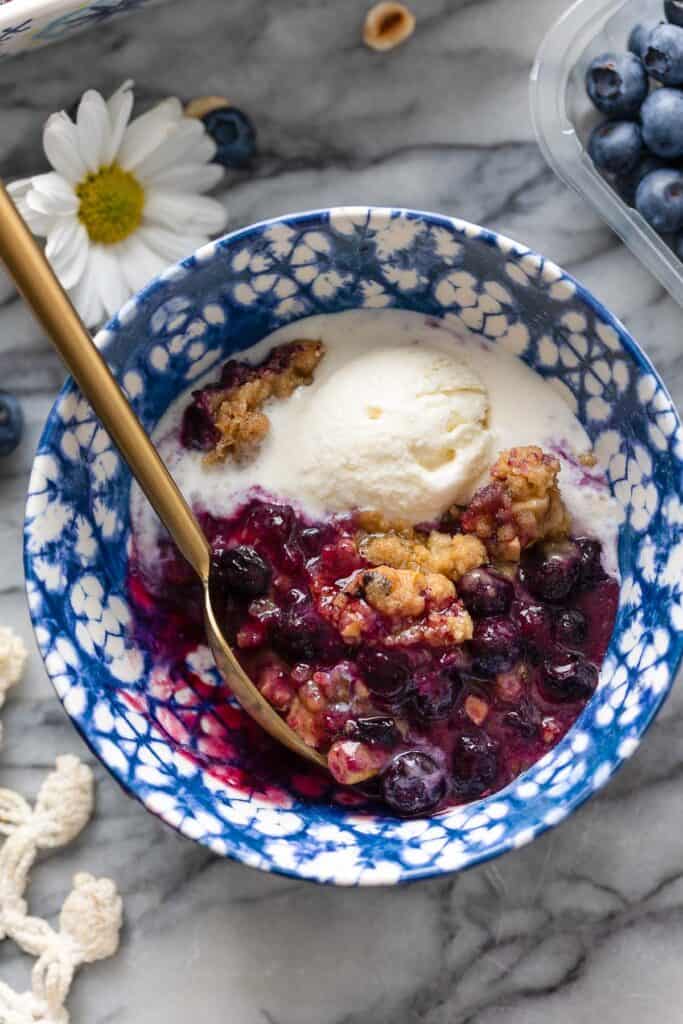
(124, 199)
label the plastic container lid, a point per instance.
(562, 116)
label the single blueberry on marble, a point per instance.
(11, 423)
(234, 135)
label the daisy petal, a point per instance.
(67, 251)
(188, 177)
(108, 273)
(60, 142)
(145, 133)
(170, 245)
(18, 189)
(86, 297)
(185, 212)
(52, 204)
(183, 141)
(93, 129)
(119, 106)
(139, 263)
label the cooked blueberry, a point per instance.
(233, 133)
(673, 10)
(386, 673)
(302, 635)
(571, 628)
(617, 84)
(659, 199)
(638, 37)
(615, 147)
(591, 571)
(663, 54)
(197, 430)
(276, 523)
(550, 570)
(11, 423)
(525, 720)
(413, 783)
(435, 694)
(567, 677)
(662, 120)
(375, 730)
(475, 763)
(484, 592)
(535, 624)
(496, 645)
(242, 571)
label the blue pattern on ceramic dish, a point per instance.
(223, 299)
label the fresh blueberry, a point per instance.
(673, 9)
(375, 730)
(435, 694)
(234, 135)
(386, 673)
(617, 84)
(663, 54)
(11, 423)
(496, 645)
(475, 763)
(567, 677)
(551, 570)
(485, 593)
(413, 783)
(242, 571)
(659, 200)
(627, 184)
(615, 147)
(535, 624)
(571, 628)
(638, 37)
(662, 119)
(591, 571)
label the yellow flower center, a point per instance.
(111, 204)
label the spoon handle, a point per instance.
(36, 281)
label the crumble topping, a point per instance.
(227, 418)
(520, 506)
(443, 553)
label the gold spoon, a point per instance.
(52, 307)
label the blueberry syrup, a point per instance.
(448, 725)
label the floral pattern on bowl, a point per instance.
(223, 299)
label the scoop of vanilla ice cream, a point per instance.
(402, 430)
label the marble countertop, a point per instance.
(587, 922)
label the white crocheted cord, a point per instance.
(90, 920)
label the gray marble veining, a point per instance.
(587, 922)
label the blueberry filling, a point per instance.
(416, 726)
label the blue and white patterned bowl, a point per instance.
(226, 297)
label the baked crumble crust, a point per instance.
(451, 555)
(520, 506)
(233, 422)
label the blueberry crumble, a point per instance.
(432, 662)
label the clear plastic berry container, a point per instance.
(563, 117)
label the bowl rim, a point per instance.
(511, 840)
